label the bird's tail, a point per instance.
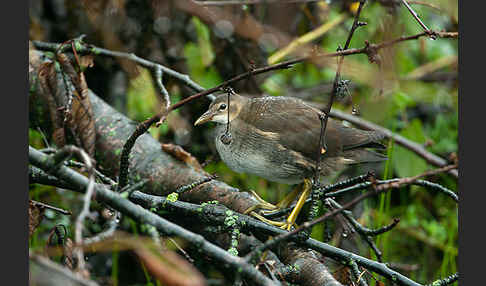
(357, 156)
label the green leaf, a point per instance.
(306, 76)
(406, 163)
(204, 42)
(207, 77)
(141, 96)
(402, 100)
(275, 84)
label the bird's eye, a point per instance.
(222, 107)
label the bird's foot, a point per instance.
(287, 225)
(262, 204)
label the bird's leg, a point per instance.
(285, 202)
(262, 204)
(303, 189)
(270, 207)
(271, 222)
(306, 190)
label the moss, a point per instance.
(230, 220)
(233, 251)
(172, 197)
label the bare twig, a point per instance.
(414, 14)
(376, 190)
(446, 281)
(157, 68)
(144, 216)
(410, 180)
(216, 214)
(57, 159)
(189, 187)
(364, 232)
(358, 274)
(101, 176)
(430, 5)
(108, 232)
(337, 78)
(78, 233)
(49, 272)
(43, 205)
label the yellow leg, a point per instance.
(271, 222)
(285, 203)
(306, 190)
(262, 204)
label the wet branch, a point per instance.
(123, 205)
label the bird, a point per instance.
(278, 138)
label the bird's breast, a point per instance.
(249, 152)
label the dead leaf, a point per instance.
(68, 253)
(181, 154)
(86, 61)
(35, 217)
(80, 119)
(169, 268)
(43, 271)
(166, 265)
(343, 275)
(81, 123)
(49, 91)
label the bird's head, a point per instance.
(218, 109)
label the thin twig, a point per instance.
(416, 16)
(85, 211)
(43, 205)
(145, 216)
(216, 214)
(358, 275)
(108, 232)
(337, 78)
(446, 281)
(189, 187)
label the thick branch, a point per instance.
(142, 215)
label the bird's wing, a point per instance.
(298, 126)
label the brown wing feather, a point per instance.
(298, 125)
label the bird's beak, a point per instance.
(207, 116)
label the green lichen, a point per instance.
(95, 51)
(172, 197)
(118, 151)
(78, 46)
(295, 267)
(233, 251)
(57, 66)
(230, 220)
(124, 195)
